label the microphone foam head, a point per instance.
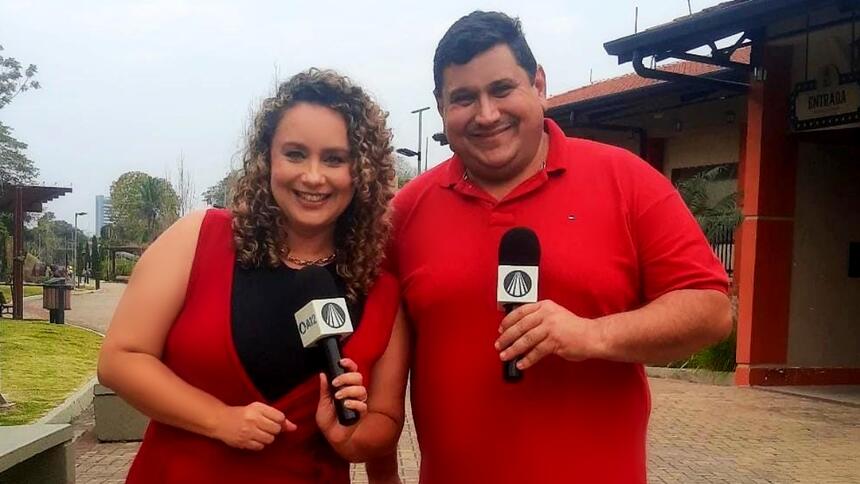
(325, 314)
(315, 282)
(519, 247)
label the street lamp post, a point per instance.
(75, 247)
(408, 152)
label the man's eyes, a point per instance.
(502, 90)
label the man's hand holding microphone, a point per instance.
(532, 329)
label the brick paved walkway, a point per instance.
(699, 434)
(702, 433)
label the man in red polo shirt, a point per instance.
(626, 277)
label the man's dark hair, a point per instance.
(476, 33)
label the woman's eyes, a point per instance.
(335, 160)
(298, 155)
(295, 154)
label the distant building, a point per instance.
(104, 213)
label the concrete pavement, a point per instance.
(91, 310)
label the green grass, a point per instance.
(41, 364)
(28, 291)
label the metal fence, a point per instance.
(723, 244)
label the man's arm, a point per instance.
(671, 327)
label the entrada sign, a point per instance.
(829, 106)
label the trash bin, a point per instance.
(57, 298)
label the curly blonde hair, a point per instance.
(362, 231)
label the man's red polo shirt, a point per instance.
(614, 235)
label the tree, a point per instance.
(46, 240)
(15, 167)
(159, 206)
(220, 193)
(142, 206)
(183, 185)
(404, 170)
(96, 258)
(50, 240)
(14, 79)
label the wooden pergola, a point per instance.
(20, 199)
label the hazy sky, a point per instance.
(131, 85)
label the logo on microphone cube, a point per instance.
(333, 315)
(517, 284)
(321, 318)
(307, 324)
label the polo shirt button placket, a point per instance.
(501, 219)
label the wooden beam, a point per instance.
(18, 256)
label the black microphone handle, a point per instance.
(510, 372)
(331, 354)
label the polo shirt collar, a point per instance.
(554, 157)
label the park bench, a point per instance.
(40, 453)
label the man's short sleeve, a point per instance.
(672, 250)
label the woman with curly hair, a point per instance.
(204, 340)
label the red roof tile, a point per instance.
(630, 82)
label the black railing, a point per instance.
(723, 244)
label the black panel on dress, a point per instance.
(264, 301)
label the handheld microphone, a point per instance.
(321, 322)
(519, 257)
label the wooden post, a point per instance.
(18, 256)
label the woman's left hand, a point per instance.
(354, 395)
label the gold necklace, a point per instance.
(308, 262)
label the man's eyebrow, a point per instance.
(503, 81)
(460, 91)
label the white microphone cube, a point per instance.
(322, 318)
(517, 284)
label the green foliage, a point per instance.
(714, 217)
(124, 266)
(82, 256)
(143, 206)
(718, 357)
(219, 194)
(30, 264)
(95, 258)
(15, 167)
(51, 239)
(42, 364)
(15, 79)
